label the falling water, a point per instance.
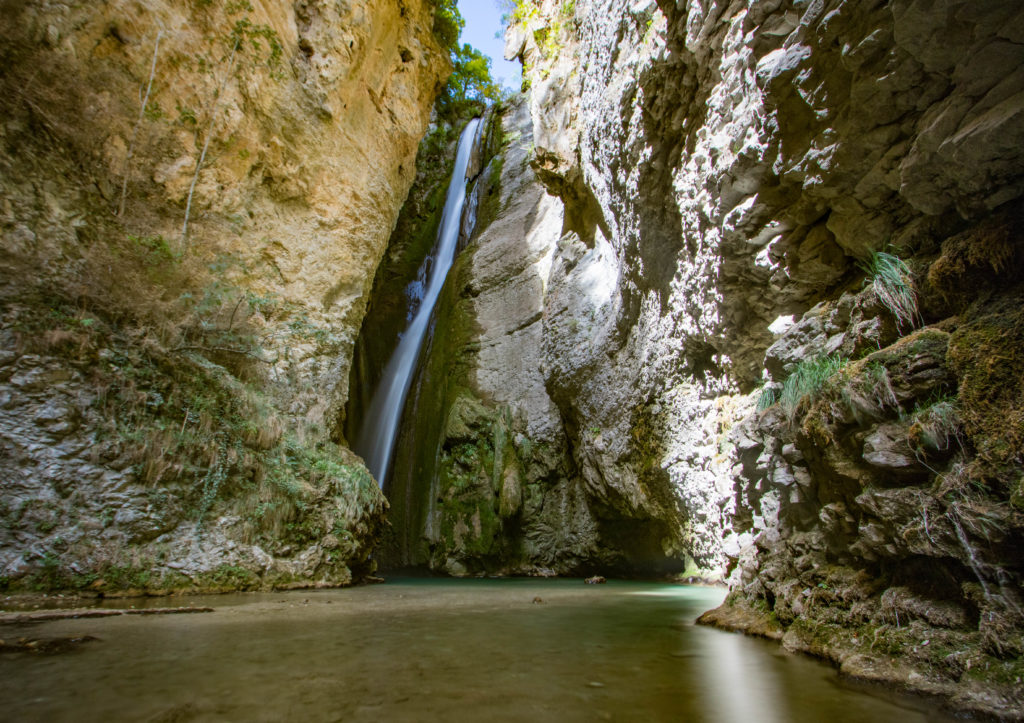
(380, 426)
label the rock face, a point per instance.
(742, 184)
(195, 199)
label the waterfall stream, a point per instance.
(376, 438)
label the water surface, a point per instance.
(434, 650)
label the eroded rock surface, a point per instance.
(169, 394)
(728, 170)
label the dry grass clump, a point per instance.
(869, 394)
(972, 260)
(937, 427)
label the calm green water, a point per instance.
(434, 650)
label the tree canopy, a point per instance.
(448, 23)
(470, 86)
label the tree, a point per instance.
(448, 23)
(470, 86)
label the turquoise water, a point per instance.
(434, 650)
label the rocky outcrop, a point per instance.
(195, 198)
(730, 174)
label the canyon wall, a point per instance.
(744, 163)
(777, 333)
(484, 479)
(196, 196)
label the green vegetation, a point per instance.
(490, 199)
(517, 11)
(131, 578)
(987, 356)
(448, 23)
(936, 425)
(470, 477)
(547, 36)
(891, 280)
(154, 250)
(806, 380)
(869, 393)
(204, 442)
(470, 88)
(767, 398)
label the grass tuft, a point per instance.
(891, 280)
(870, 394)
(807, 379)
(937, 427)
(767, 398)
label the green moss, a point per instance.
(1017, 494)
(490, 200)
(646, 442)
(987, 356)
(229, 576)
(866, 388)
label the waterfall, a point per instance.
(380, 426)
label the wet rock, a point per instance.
(900, 603)
(595, 580)
(45, 646)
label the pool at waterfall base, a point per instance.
(432, 649)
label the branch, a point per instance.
(206, 144)
(231, 324)
(138, 124)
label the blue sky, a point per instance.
(483, 20)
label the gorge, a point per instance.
(739, 301)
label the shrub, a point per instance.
(448, 23)
(470, 86)
(892, 282)
(516, 11)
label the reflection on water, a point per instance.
(434, 650)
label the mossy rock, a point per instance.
(467, 420)
(987, 356)
(988, 255)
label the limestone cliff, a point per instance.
(782, 328)
(195, 198)
(485, 480)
